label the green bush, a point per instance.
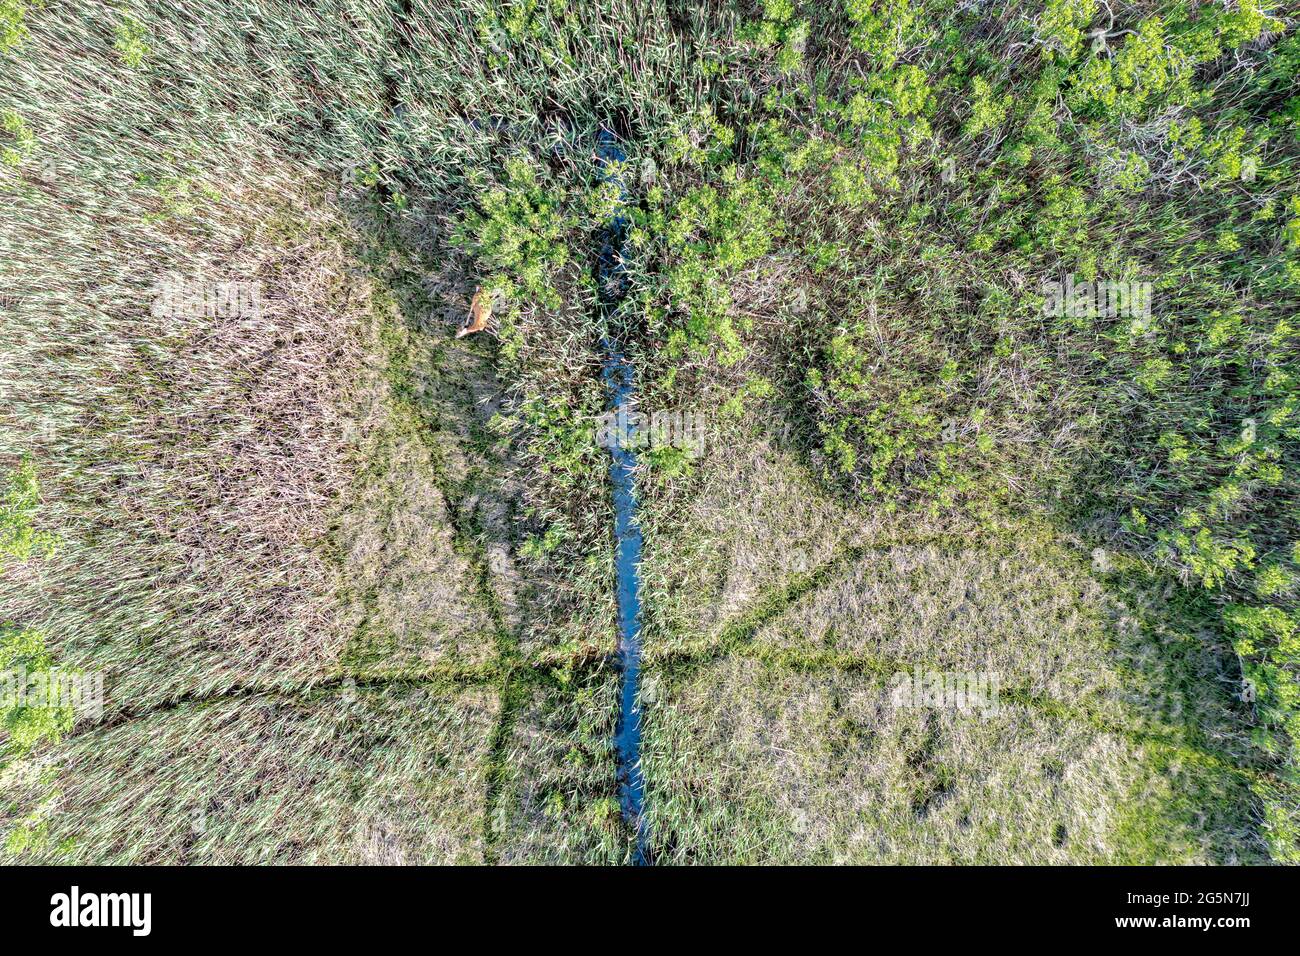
(19, 538)
(519, 232)
(25, 657)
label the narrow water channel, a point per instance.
(627, 739)
(619, 382)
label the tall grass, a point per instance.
(841, 219)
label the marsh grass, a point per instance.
(839, 217)
(259, 516)
(749, 762)
(371, 776)
(771, 734)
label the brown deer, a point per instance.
(480, 310)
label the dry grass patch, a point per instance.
(747, 762)
(191, 464)
(413, 584)
(394, 775)
(772, 736)
(1014, 608)
(750, 519)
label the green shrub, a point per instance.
(13, 28)
(883, 28)
(24, 657)
(132, 41)
(16, 139)
(1061, 24)
(987, 111)
(520, 233)
(19, 538)
(901, 432)
(713, 231)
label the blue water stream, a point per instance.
(627, 738)
(619, 382)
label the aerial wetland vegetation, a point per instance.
(649, 431)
